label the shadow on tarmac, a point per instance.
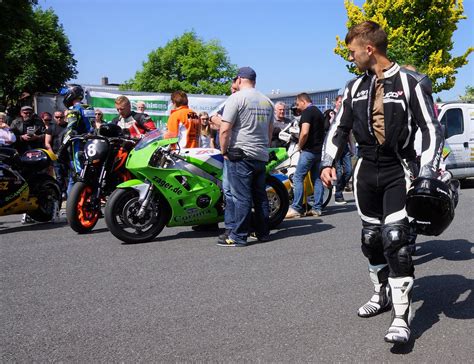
(292, 227)
(29, 227)
(451, 295)
(455, 250)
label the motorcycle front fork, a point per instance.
(145, 201)
(96, 198)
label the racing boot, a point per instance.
(380, 301)
(399, 331)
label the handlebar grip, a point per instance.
(178, 156)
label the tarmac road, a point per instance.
(89, 298)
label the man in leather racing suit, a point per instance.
(137, 124)
(384, 107)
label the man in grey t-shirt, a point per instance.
(245, 135)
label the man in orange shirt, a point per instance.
(183, 122)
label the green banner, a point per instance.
(156, 106)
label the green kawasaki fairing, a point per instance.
(176, 189)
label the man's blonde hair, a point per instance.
(121, 100)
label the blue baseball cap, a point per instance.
(248, 73)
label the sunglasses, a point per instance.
(47, 119)
(58, 117)
(98, 113)
(192, 115)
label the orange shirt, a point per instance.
(187, 130)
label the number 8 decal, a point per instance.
(91, 150)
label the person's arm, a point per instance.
(270, 133)
(48, 139)
(148, 123)
(224, 136)
(15, 128)
(421, 105)
(231, 111)
(173, 126)
(304, 132)
(212, 138)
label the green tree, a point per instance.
(186, 63)
(469, 96)
(18, 13)
(419, 33)
(39, 60)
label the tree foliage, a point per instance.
(469, 96)
(39, 59)
(186, 63)
(419, 33)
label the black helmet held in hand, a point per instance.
(111, 130)
(431, 203)
(74, 92)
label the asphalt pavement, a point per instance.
(90, 298)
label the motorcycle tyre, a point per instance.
(45, 213)
(74, 219)
(282, 195)
(116, 200)
(328, 196)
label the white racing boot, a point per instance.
(399, 331)
(380, 301)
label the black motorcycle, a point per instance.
(28, 184)
(102, 160)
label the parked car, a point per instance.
(458, 121)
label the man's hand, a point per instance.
(328, 175)
(25, 137)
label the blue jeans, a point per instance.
(308, 162)
(60, 169)
(343, 171)
(247, 182)
(229, 218)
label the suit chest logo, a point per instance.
(393, 95)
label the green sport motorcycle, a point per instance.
(178, 188)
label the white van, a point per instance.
(458, 121)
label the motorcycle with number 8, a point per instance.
(103, 168)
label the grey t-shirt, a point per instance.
(250, 112)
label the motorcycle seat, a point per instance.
(35, 160)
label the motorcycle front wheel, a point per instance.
(121, 217)
(81, 211)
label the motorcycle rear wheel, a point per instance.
(278, 201)
(80, 213)
(122, 220)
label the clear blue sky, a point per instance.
(288, 42)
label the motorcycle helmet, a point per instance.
(73, 92)
(110, 130)
(431, 203)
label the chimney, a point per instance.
(104, 81)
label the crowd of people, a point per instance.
(48, 131)
(370, 114)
